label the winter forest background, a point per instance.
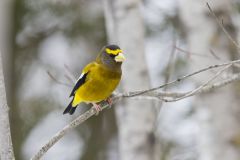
(162, 40)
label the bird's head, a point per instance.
(111, 56)
(115, 53)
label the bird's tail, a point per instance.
(70, 109)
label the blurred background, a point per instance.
(162, 41)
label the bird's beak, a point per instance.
(120, 57)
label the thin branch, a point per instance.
(170, 65)
(220, 23)
(157, 95)
(184, 77)
(56, 80)
(200, 87)
(118, 96)
(147, 94)
(191, 53)
(79, 120)
(69, 75)
(169, 72)
(83, 117)
(215, 55)
(233, 78)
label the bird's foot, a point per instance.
(109, 101)
(97, 108)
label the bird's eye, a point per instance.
(112, 55)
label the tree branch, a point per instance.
(146, 94)
(185, 77)
(220, 23)
(200, 87)
(157, 95)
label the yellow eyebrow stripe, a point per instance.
(114, 52)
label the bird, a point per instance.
(98, 79)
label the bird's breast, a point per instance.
(99, 85)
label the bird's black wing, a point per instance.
(80, 82)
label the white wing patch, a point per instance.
(81, 76)
(80, 81)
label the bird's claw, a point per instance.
(97, 108)
(110, 102)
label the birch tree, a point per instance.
(6, 148)
(135, 119)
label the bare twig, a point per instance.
(169, 72)
(80, 119)
(220, 23)
(185, 77)
(191, 53)
(56, 80)
(198, 88)
(215, 55)
(170, 65)
(69, 75)
(157, 95)
(200, 55)
(118, 96)
(150, 93)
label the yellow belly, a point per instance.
(97, 87)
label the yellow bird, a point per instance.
(98, 79)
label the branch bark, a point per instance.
(146, 94)
(6, 148)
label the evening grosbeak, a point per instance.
(98, 79)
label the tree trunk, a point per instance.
(135, 118)
(6, 149)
